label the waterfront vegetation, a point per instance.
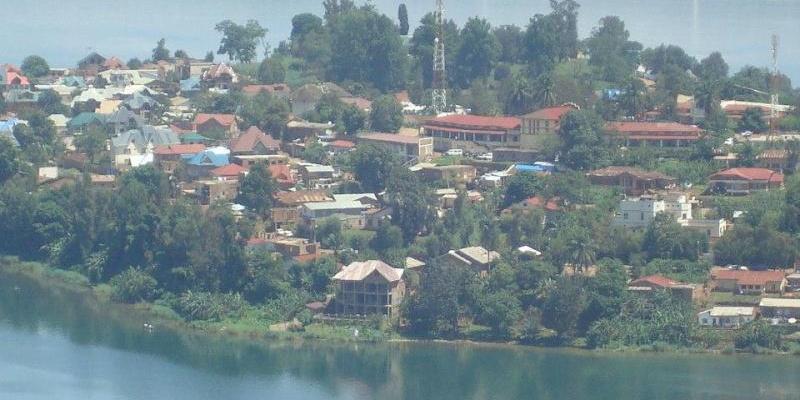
(141, 243)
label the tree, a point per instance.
(50, 103)
(543, 91)
(160, 52)
(658, 59)
(133, 286)
(271, 71)
(315, 152)
(582, 147)
(633, 99)
(335, 8)
(665, 239)
(257, 190)
(134, 63)
(611, 51)
(481, 100)
(239, 42)
(713, 67)
(509, 38)
(563, 306)
(9, 160)
(565, 13)
(269, 113)
(372, 166)
(387, 237)
(434, 309)
(181, 54)
(477, 52)
(35, 66)
(209, 57)
(541, 44)
(92, 142)
(329, 233)
(411, 202)
(366, 48)
(386, 114)
(517, 95)
(402, 16)
(752, 120)
(500, 310)
(304, 24)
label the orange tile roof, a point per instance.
(223, 119)
(749, 174)
(655, 280)
(230, 170)
(476, 122)
(550, 113)
(743, 277)
(250, 138)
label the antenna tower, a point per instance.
(774, 89)
(439, 72)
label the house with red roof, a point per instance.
(11, 77)
(216, 124)
(341, 146)
(651, 283)
(657, 134)
(220, 77)
(230, 172)
(744, 281)
(282, 174)
(254, 142)
(472, 132)
(634, 181)
(743, 181)
(543, 123)
(551, 205)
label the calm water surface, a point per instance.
(65, 30)
(58, 345)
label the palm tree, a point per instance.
(544, 91)
(582, 253)
(518, 95)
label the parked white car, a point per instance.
(486, 157)
(455, 152)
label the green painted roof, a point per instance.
(85, 118)
(193, 137)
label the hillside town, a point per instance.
(577, 205)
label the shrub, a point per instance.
(757, 334)
(133, 286)
(207, 306)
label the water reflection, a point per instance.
(115, 355)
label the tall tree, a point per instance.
(517, 94)
(611, 50)
(160, 52)
(412, 203)
(9, 160)
(477, 52)
(50, 103)
(366, 47)
(386, 114)
(581, 135)
(753, 121)
(257, 190)
(509, 39)
(271, 70)
(240, 42)
(92, 142)
(713, 67)
(35, 66)
(372, 166)
(402, 16)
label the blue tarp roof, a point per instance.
(210, 158)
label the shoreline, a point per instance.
(158, 317)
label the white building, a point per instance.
(726, 317)
(640, 212)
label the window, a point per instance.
(641, 217)
(625, 216)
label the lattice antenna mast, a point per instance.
(774, 89)
(439, 71)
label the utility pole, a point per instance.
(439, 72)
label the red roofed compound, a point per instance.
(747, 282)
(254, 142)
(215, 125)
(541, 124)
(409, 147)
(11, 77)
(473, 132)
(659, 134)
(742, 181)
(283, 175)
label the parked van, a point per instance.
(455, 152)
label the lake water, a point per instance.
(55, 344)
(65, 30)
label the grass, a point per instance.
(448, 160)
(730, 299)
